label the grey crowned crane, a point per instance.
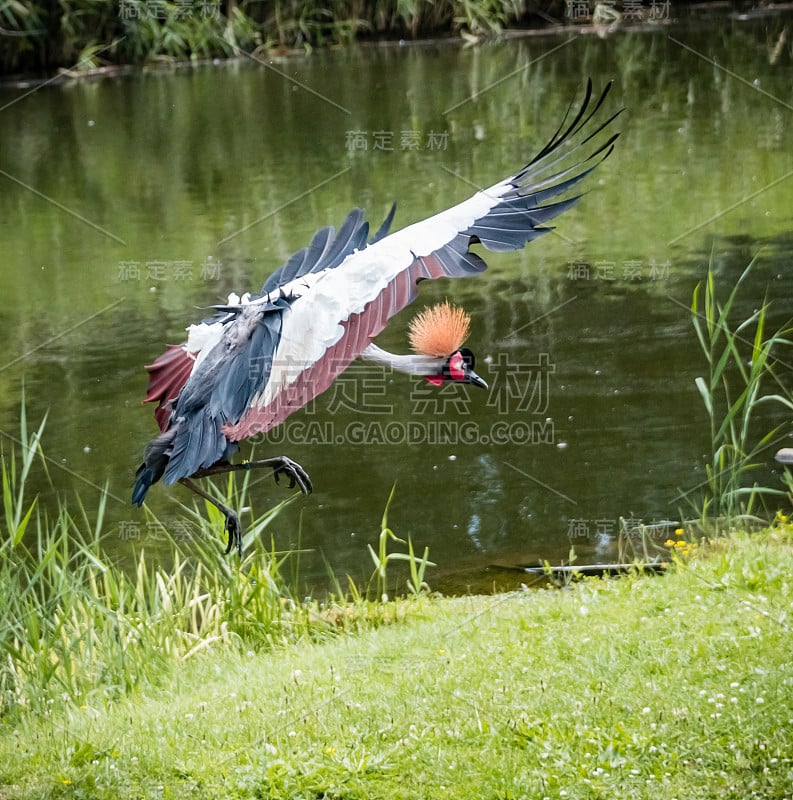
(262, 357)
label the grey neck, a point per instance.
(410, 364)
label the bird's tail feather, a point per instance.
(145, 477)
(155, 460)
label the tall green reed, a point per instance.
(742, 360)
(383, 558)
(77, 629)
(17, 517)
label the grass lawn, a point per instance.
(678, 686)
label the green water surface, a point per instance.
(127, 205)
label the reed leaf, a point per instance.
(741, 360)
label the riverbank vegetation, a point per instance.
(746, 365)
(91, 32)
(77, 627)
(80, 35)
(651, 687)
(203, 679)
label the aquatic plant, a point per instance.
(83, 34)
(741, 359)
(382, 558)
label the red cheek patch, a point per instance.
(457, 367)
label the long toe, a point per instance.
(234, 530)
(303, 480)
(296, 474)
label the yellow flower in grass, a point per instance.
(679, 532)
(681, 547)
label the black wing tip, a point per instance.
(553, 172)
(579, 122)
(385, 227)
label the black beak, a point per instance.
(473, 378)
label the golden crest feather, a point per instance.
(439, 330)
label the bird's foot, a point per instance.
(296, 474)
(234, 529)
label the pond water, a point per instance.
(129, 204)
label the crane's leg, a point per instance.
(233, 526)
(280, 465)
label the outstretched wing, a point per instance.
(208, 381)
(169, 373)
(337, 312)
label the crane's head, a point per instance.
(439, 332)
